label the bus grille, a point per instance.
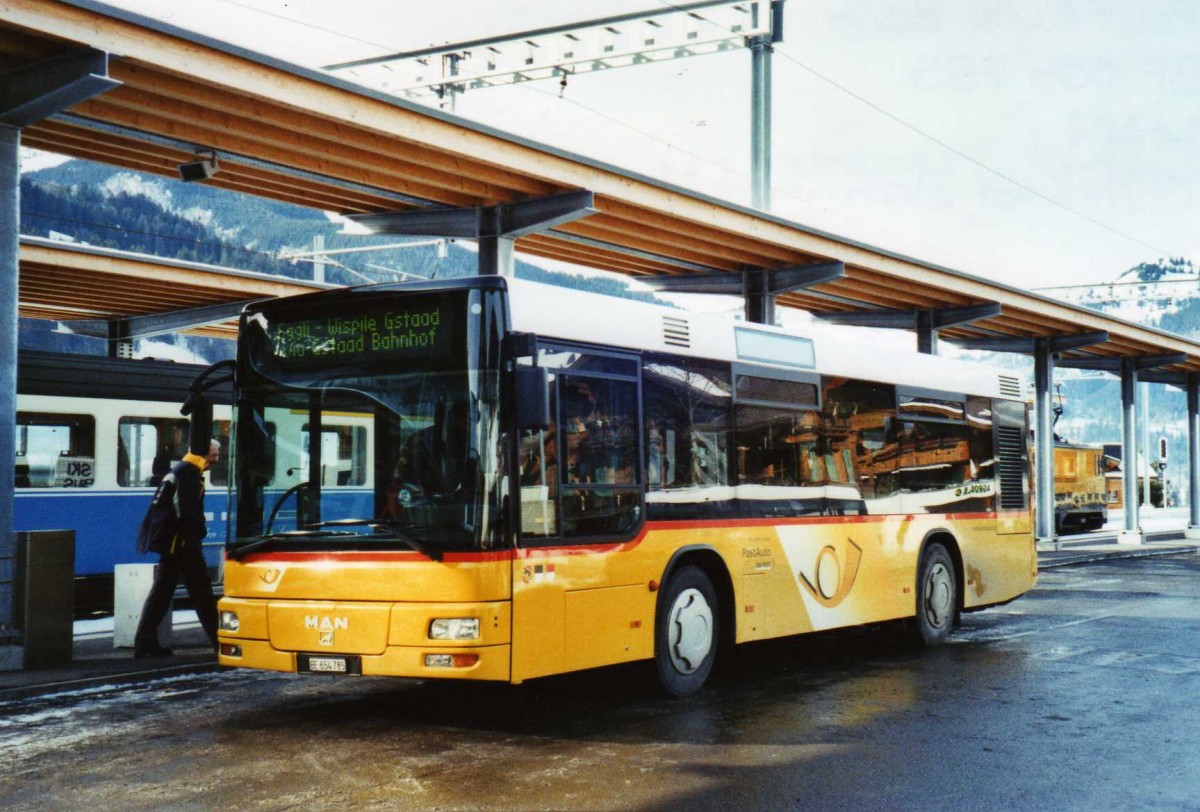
(1009, 448)
(676, 332)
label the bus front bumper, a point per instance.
(476, 663)
(421, 640)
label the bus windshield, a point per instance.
(370, 422)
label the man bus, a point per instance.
(599, 481)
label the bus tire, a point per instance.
(686, 632)
(937, 596)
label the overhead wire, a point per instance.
(305, 24)
(736, 173)
(934, 139)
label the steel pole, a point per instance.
(1043, 382)
(1144, 418)
(1193, 406)
(1131, 534)
(10, 193)
(760, 123)
(760, 108)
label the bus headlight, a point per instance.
(454, 628)
(229, 621)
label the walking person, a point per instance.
(182, 556)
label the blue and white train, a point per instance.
(93, 437)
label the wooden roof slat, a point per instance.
(69, 281)
(245, 180)
(365, 145)
(595, 228)
(590, 256)
(245, 133)
(208, 136)
(640, 217)
(125, 150)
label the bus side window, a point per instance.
(686, 427)
(55, 450)
(861, 425)
(538, 461)
(600, 467)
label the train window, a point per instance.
(147, 447)
(219, 473)
(55, 450)
(343, 454)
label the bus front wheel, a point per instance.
(685, 632)
(937, 596)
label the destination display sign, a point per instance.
(420, 328)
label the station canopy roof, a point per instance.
(302, 136)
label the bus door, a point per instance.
(577, 595)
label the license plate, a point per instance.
(327, 665)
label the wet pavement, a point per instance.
(1077, 696)
(96, 662)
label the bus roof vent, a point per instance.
(1010, 387)
(677, 332)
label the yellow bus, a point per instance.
(1080, 499)
(513, 481)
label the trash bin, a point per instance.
(46, 596)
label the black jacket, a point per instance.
(189, 500)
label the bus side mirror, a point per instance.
(533, 397)
(198, 408)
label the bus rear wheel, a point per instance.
(937, 596)
(685, 632)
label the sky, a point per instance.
(1034, 143)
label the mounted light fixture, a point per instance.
(203, 168)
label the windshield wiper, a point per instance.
(391, 525)
(290, 535)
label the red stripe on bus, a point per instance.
(353, 556)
